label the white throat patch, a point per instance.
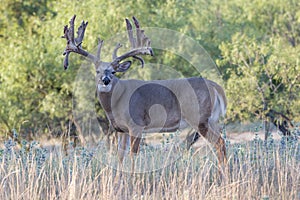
(104, 88)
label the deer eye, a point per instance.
(97, 72)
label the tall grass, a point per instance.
(256, 170)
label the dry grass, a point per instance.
(257, 170)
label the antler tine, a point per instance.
(142, 39)
(69, 35)
(138, 32)
(69, 32)
(140, 59)
(139, 45)
(130, 34)
(74, 45)
(80, 32)
(66, 60)
(139, 36)
(118, 46)
(100, 42)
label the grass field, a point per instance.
(257, 170)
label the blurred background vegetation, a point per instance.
(256, 45)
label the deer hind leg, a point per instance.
(213, 136)
(134, 145)
(221, 150)
(192, 139)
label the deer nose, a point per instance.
(106, 80)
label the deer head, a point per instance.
(105, 70)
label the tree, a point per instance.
(262, 65)
(255, 44)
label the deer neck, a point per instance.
(105, 99)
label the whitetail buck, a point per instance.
(134, 107)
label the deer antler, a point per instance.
(74, 44)
(139, 45)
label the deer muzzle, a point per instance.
(106, 80)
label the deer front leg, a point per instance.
(112, 138)
(124, 142)
(134, 148)
(123, 146)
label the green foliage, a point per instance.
(256, 45)
(261, 61)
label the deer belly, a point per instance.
(155, 107)
(182, 124)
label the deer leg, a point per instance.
(221, 151)
(111, 139)
(216, 140)
(192, 139)
(123, 145)
(108, 139)
(134, 145)
(134, 148)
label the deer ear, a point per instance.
(124, 66)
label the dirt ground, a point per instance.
(235, 133)
(248, 136)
